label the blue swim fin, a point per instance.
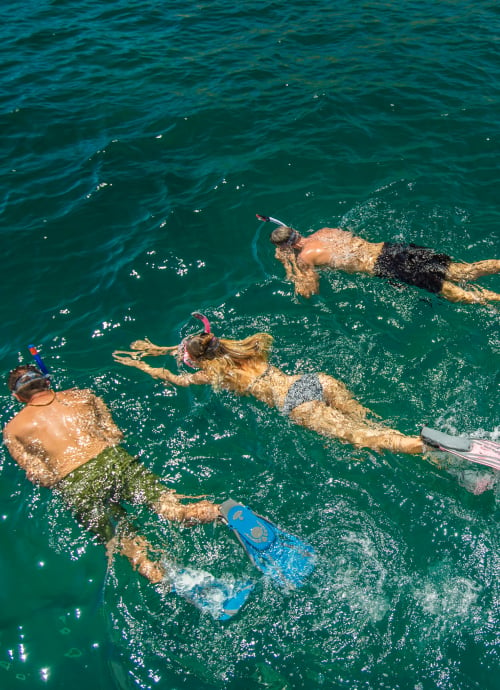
(480, 451)
(282, 556)
(222, 600)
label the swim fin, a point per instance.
(282, 556)
(222, 600)
(480, 451)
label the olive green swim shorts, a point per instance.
(94, 491)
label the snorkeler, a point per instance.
(315, 401)
(67, 441)
(335, 248)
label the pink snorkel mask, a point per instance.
(207, 330)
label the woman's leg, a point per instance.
(136, 549)
(363, 434)
(337, 395)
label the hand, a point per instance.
(142, 349)
(145, 348)
(129, 359)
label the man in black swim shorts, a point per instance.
(338, 249)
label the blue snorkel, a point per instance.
(38, 359)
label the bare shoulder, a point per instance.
(17, 421)
(76, 395)
(313, 252)
(328, 233)
(332, 234)
(18, 426)
(13, 436)
(10, 428)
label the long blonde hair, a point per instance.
(222, 359)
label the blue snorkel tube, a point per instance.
(38, 359)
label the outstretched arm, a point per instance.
(145, 348)
(198, 377)
(303, 276)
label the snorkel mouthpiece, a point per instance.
(204, 320)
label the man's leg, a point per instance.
(169, 507)
(136, 549)
(141, 486)
(475, 295)
(457, 271)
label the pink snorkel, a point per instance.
(206, 324)
(204, 320)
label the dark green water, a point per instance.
(138, 142)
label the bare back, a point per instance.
(51, 440)
(339, 249)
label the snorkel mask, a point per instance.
(26, 378)
(29, 376)
(214, 342)
(294, 235)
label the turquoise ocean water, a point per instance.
(138, 141)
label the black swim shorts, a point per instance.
(413, 265)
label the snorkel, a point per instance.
(38, 359)
(207, 331)
(30, 374)
(270, 219)
(294, 235)
(204, 320)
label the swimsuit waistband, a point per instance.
(94, 465)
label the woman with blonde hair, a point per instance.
(316, 401)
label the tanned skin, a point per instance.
(338, 249)
(55, 433)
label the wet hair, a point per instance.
(26, 380)
(203, 346)
(221, 358)
(284, 236)
(206, 346)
